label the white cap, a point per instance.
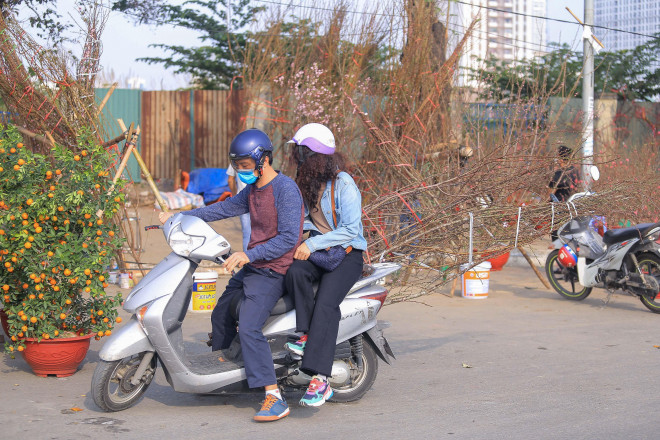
(316, 137)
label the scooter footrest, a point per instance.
(285, 357)
(213, 362)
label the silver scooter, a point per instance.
(159, 303)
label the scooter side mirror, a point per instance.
(595, 172)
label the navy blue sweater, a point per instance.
(276, 217)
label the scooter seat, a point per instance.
(283, 305)
(613, 236)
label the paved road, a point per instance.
(541, 367)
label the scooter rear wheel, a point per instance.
(649, 264)
(112, 389)
(363, 378)
(564, 279)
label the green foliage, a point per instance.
(53, 247)
(632, 74)
(43, 17)
(221, 25)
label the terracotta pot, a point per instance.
(3, 320)
(60, 357)
(498, 262)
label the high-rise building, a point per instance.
(641, 16)
(507, 29)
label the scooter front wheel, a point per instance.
(564, 279)
(112, 389)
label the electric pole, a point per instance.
(588, 93)
(588, 39)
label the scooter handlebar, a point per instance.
(220, 259)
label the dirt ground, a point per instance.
(523, 363)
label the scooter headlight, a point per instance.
(182, 243)
(654, 235)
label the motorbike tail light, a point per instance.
(567, 257)
(378, 297)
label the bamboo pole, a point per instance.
(147, 174)
(131, 140)
(122, 166)
(116, 140)
(534, 268)
(34, 136)
(106, 98)
(453, 284)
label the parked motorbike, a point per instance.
(153, 335)
(627, 259)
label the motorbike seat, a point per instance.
(283, 305)
(613, 236)
(286, 302)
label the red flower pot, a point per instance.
(60, 357)
(498, 262)
(3, 320)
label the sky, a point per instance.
(124, 42)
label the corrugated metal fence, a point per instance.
(123, 104)
(179, 130)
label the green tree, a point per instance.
(42, 15)
(221, 24)
(632, 74)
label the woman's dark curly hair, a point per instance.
(314, 171)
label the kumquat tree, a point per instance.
(56, 240)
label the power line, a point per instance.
(531, 44)
(158, 22)
(318, 8)
(559, 20)
(261, 34)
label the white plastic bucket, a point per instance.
(124, 281)
(474, 282)
(203, 292)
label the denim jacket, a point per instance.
(348, 206)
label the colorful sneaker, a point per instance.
(297, 347)
(317, 393)
(272, 409)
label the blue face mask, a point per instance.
(247, 176)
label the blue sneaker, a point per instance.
(272, 409)
(297, 347)
(317, 393)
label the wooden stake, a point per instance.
(122, 165)
(34, 136)
(116, 140)
(536, 270)
(580, 21)
(147, 174)
(50, 138)
(453, 284)
(150, 180)
(106, 98)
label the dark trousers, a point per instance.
(261, 288)
(320, 318)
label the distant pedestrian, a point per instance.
(565, 181)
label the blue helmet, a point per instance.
(251, 143)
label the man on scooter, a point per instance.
(275, 206)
